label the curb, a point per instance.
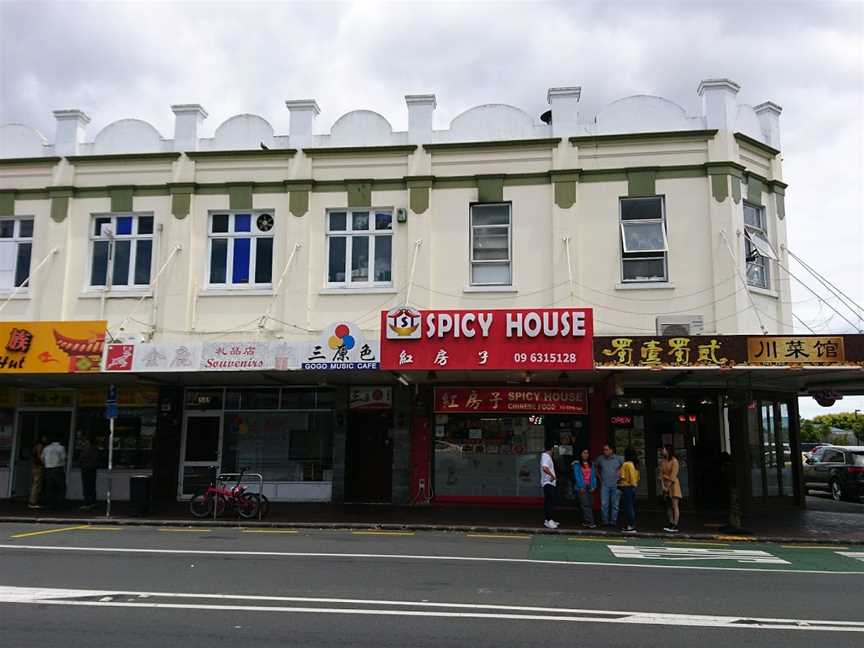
(453, 528)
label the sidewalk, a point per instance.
(821, 523)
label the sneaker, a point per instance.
(549, 524)
(670, 528)
(590, 525)
(629, 529)
(555, 524)
(34, 506)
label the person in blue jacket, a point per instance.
(584, 484)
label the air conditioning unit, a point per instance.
(680, 325)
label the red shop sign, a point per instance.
(511, 400)
(527, 339)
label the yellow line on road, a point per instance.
(813, 547)
(30, 534)
(598, 540)
(100, 528)
(171, 530)
(383, 533)
(513, 536)
(268, 531)
(734, 538)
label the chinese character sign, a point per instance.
(668, 351)
(535, 339)
(342, 346)
(796, 350)
(530, 400)
(51, 347)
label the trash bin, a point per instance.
(139, 494)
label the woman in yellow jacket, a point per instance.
(671, 487)
(628, 480)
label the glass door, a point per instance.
(50, 425)
(201, 452)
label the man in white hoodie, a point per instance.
(548, 483)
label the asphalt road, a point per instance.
(137, 586)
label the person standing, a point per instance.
(548, 483)
(629, 481)
(37, 473)
(608, 465)
(54, 458)
(89, 462)
(585, 483)
(671, 487)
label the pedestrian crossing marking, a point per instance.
(856, 555)
(695, 553)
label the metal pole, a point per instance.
(110, 465)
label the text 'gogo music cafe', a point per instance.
(481, 423)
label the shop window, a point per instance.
(134, 430)
(282, 446)
(644, 247)
(7, 434)
(491, 245)
(204, 399)
(240, 249)
(786, 485)
(16, 247)
(360, 248)
(669, 404)
(121, 250)
(757, 248)
(252, 399)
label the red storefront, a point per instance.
(492, 387)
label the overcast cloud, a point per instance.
(119, 60)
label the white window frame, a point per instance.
(17, 240)
(472, 261)
(633, 256)
(133, 250)
(349, 233)
(756, 244)
(230, 235)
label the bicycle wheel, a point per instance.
(247, 505)
(201, 506)
(265, 505)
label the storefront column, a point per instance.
(795, 450)
(400, 438)
(339, 445)
(166, 447)
(420, 484)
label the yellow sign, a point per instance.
(51, 347)
(792, 350)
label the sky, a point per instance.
(118, 60)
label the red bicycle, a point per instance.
(223, 497)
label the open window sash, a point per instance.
(760, 243)
(644, 236)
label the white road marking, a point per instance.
(370, 556)
(102, 598)
(857, 555)
(696, 553)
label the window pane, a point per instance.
(219, 223)
(753, 216)
(8, 256)
(98, 224)
(25, 228)
(337, 221)
(490, 215)
(122, 252)
(143, 259)
(124, 225)
(757, 272)
(383, 220)
(264, 260)
(761, 244)
(240, 267)
(383, 246)
(360, 258)
(359, 221)
(641, 208)
(7, 228)
(491, 243)
(218, 260)
(644, 269)
(643, 236)
(336, 269)
(491, 273)
(99, 267)
(22, 265)
(145, 224)
(242, 222)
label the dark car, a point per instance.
(838, 470)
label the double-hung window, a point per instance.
(757, 248)
(644, 247)
(360, 247)
(491, 245)
(16, 247)
(121, 244)
(240, 249)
